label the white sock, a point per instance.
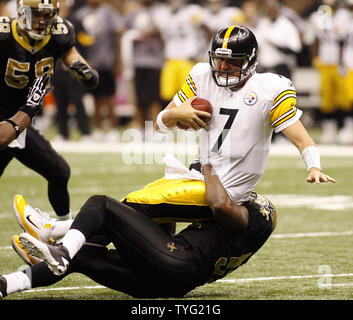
(65, 217)
(60, 229)
(73, 241)
(16, 282)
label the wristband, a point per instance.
(311, 157)
(162, 127)
(31, 112)
(15, 126)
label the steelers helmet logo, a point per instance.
(250, 99)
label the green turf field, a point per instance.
(309, 256)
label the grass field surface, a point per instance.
(308, 257)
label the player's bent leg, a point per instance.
(43, 159)
(6, 156)
(175, 200)
(141, 243)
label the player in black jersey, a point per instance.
(148, 262)
(30, 45)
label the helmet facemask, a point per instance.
(38, 20)
(239, 66)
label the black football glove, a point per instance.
(36, 95)
(89, 77)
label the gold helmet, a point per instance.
(37, 17)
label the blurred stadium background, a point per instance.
(309, 255)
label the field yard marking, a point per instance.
(6, 248)
(332, 203)
(184, 148)
(66, 288)
(311, 234)
(284, 278)
(350, 284)
(226, 281)
(280, 236)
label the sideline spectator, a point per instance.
(104, 24)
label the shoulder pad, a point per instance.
(273, 84)
(64, 33)
(5, 27)
(200, 68)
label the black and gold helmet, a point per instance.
(238, 46)
(42, 13)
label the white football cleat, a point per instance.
(55, 256)
(22, 252)
(37, 223)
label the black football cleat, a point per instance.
(55, 256)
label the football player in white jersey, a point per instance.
(247, 108)
(179, 25)
(235, 222)
(326, 24)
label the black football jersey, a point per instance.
(217, 250)
(21, 63)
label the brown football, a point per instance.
(202, 105)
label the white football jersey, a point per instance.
(242, 124)
(226, 16)
(180, 31)
(328, 27)
(347, 31)
(215, 21)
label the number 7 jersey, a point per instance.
(238, 142)
(21, 62)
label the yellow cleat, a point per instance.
(35, 222)
(22, 252)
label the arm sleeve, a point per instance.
(188, 89)
(284, 111)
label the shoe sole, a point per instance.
(41, 251)
(17, 246)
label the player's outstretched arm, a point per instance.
(298, 135)
(80, 68)
(224, 209)
(12, 127)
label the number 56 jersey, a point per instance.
(238, 142)
(21, 62)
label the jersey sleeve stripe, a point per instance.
(191, 81)
(288, 115)
(191, 86)
(182, 95)
(282, 108)
(283, 98)
(283, 93)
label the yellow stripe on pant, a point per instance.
(171, 201)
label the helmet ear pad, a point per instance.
(235, 42)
